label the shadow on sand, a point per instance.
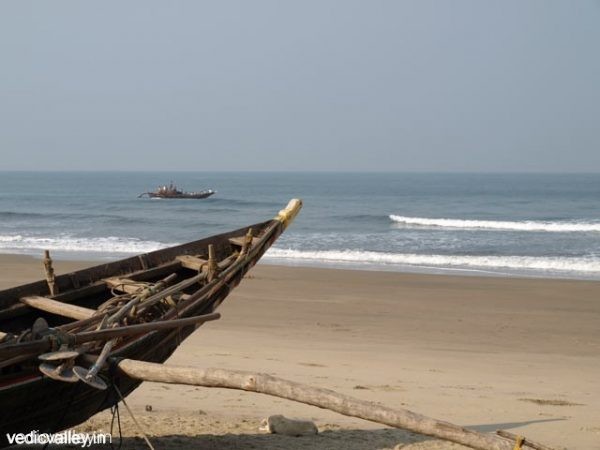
(346, 439)
(326, 440)
(492, 427)
(343, 439)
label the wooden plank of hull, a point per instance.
(155, 272)
(59, 308)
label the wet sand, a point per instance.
(489, 353)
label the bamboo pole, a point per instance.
(212, 267)
(247, 242)
(46, 343)
(322, 398)
(129, 330)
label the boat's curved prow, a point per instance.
(155, 291)
(289, 213)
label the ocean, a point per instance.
(539, 225)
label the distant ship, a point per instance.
(171, 191)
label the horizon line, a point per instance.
(323, 171)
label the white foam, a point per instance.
(539, 263)
(14, 238)
(106, 245)
(528, 225)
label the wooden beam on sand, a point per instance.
(322, 398)
(58, 308)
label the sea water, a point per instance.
(501, 224)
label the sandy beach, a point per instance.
(487, 353)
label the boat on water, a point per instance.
(172, 191)
(61, 337)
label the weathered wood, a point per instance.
(322, 398)
(160, 292)
(81, 324)
(248, 239)
(225, 263)
(192, 262)
(90, 290)
(155, 272)
(528, 442)
(126, 285)
(198, 264)
(95, 288)
(58, 308)
(129, 330)
(240, 241)
(143, 259)
(44, 344)
(50, 278)
(289, 213)
(212, 268)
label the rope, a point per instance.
(519, 441)
(115, 412)
(140, 429)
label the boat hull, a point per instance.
(197, 196)
(31, 401)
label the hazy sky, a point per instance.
(304, 85)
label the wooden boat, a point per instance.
(60, 337)
(171, 191)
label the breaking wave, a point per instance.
(528, 225)
(99, 245)
(538, 263)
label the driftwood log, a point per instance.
(322, 398)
